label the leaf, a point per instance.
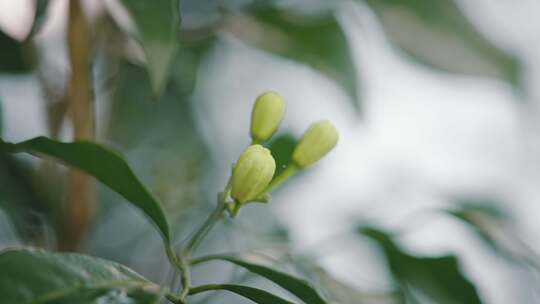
(438, 278)
(318, 42)
(282, 149)
(40, 15)
(298, 287)
(256, 295)
(36, 276)
(436, 33)
(492, 226)
(1, 118)
(340, 292)
(157, 23)
(26, 203)
(16, 57)
(106, 166)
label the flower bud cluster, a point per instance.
(253, 174)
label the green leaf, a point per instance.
(1, 118)
(15, 57)
(438, 278)
(318, 42)
(36, 276)
(157, 23)
(436, 33)
(40, 15)
(106, 166)
(298, 287)
(282, 148)
(254, 294)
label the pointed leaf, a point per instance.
(437, 33)
(37, 276)
(157, 23)
(106, 166)
(298, 287)
(438, 278)
(318, 42)
(254, 294)
(15, 56)
(40, 15)
(282, 149)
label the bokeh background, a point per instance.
(436, 102)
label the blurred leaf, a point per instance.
(254, 294)
(438, 278)
(481, 217)
(298, 287)
(15, 56)
(106, 166)
(282, 148)
(27, 205)
(1, 118)
(437, 33)
(491, 225)
(40, 15)
(37, 276)
(157, 23)
(160, 138)
(340, 292)
(315, 41)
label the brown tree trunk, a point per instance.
(79, 209)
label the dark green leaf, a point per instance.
(37, 276)
(437, 33)
(315, 41)
(1, 118)
(298, 287)
(40, 15)
(254, 294)
(438, 278)
(282, 149)
(157, 23)
(15, 56)
(106, 166)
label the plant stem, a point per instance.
(206, 227)
(281, 178)
(183, 261)
(203, 288)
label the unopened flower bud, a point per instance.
(267, 114)
(252, 173)
(320, 138)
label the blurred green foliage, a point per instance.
(149, 118)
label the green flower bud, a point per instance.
(320, 138)
(267, 114)
(252, 173)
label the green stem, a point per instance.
(203, 288)
(185, 279)
(195, 240)
(172, 298)
(281, 178)
(206, 227)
